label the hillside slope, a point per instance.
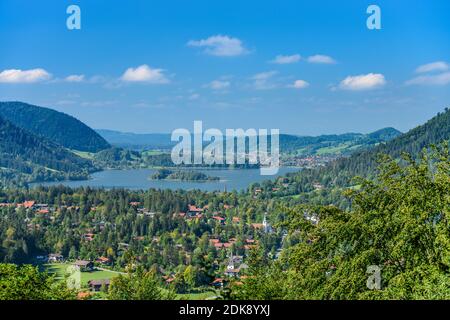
(342, 144)
(25, 153)
(364, 163)
(434, 131)
(55, 126)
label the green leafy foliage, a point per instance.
(399, 222)
(28, 283)
(138, 285)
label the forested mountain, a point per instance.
(22, 153)
(55, 126)
(433, 131)
(364, 163)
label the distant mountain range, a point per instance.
(299, 145)
(137, 141)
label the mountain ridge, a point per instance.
(365, 162)
(288, 142)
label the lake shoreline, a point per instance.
(138, 179)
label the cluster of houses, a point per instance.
(235, 266)
(38, 208)
(308, 161)
(234, 269)
(95, 285)
(195, 212)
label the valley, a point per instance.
(231, 236)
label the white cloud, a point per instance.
(434, 66)
(65, 102)
(261, 81)
(194, 96)
(24, 76)
(219, 85)
(280, 59)
(299, 84)
(98, 103)
(221, 46)
(75, 78)
(363, 82)
(146, 74)
(319, 58)
(432, 80)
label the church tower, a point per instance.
(266, 224)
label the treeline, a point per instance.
(182, 175)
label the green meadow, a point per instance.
(60, 271)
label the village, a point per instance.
(229, 253)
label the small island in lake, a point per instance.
(182, 175)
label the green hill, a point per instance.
(343, 144)
(55, 126)
(27, 157)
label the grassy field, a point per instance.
(84, 154)
(196, 296)
(153, 152)
(60, 270)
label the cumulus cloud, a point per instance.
(98, 103)
(299, 84)
(220, 45)
(434, 66)
(146, 74)
(261, 81)
(194, 96)
(322, 59)
(363, 82)
(280, 59)
(24, 76)
(431, 80)
(219, 84)
(75, 78)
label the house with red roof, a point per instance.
(28, 204)
(219, 219)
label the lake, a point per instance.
(230, 179)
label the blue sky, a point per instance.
(304, 67)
